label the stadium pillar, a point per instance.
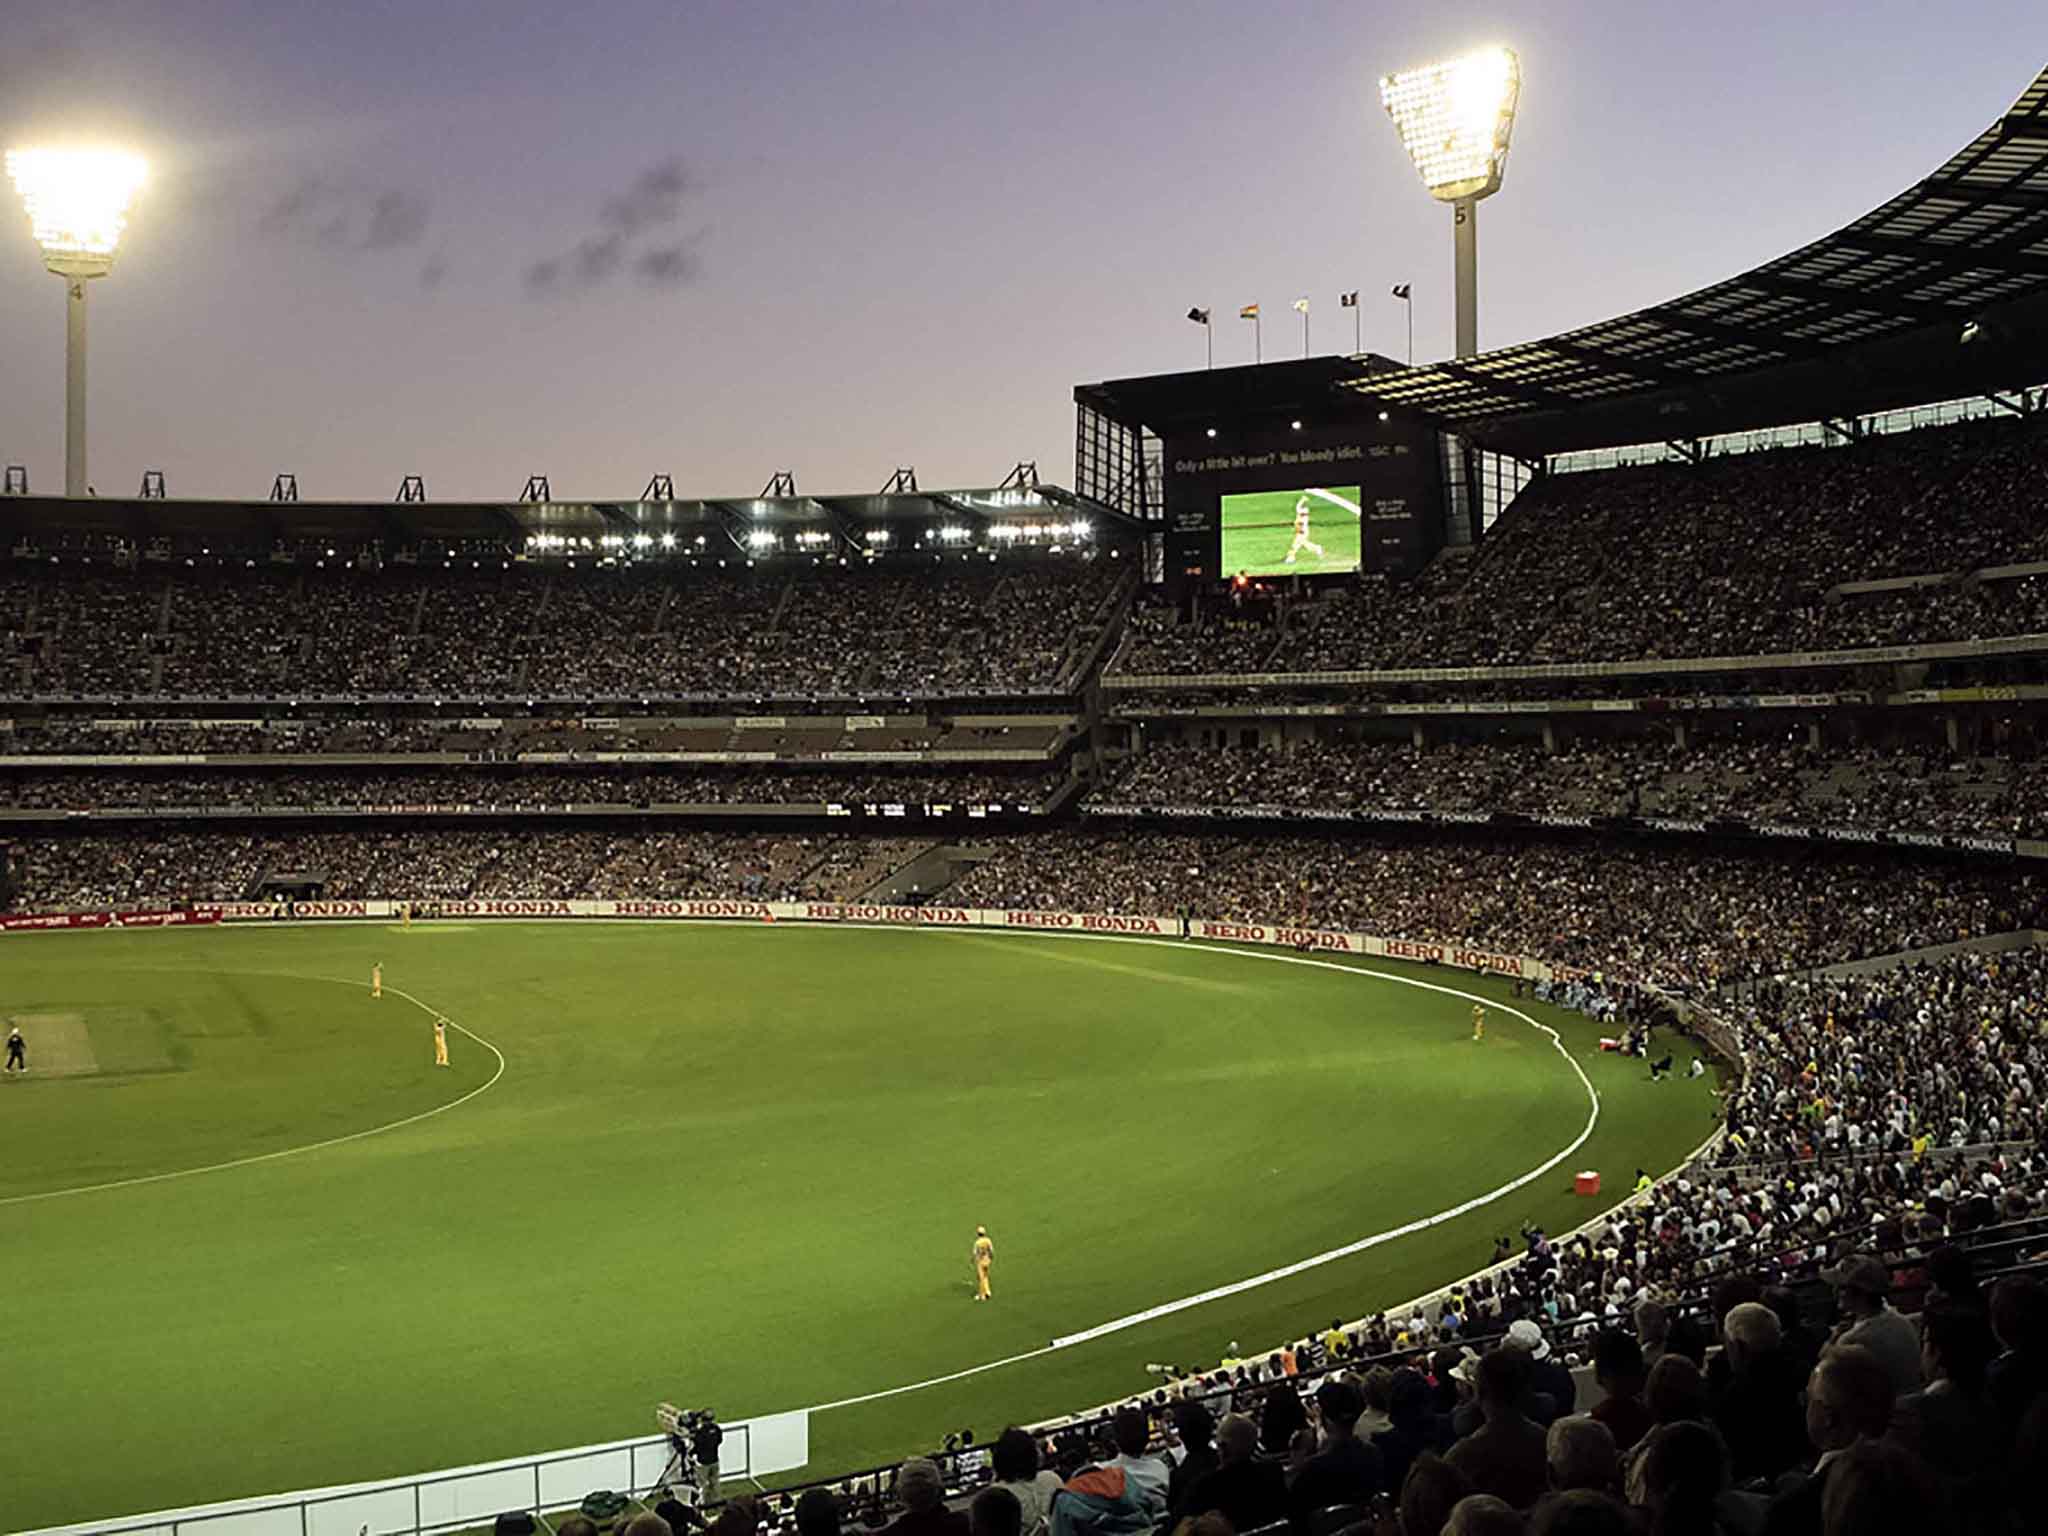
(74, 387)
(1465, 227)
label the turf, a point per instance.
(737, 1166)
(1258, 531)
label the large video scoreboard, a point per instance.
(1278, 501)
(1276, 470)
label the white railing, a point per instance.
(466, 1498)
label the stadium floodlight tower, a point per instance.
(77, 202)
(1454, 120)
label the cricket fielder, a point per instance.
(377, 979)
(440, 1042)
(1301, 539)
(1478, 1022)
(984, 1256)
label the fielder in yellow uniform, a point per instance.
(984, 1256)
(377, 979)
(1478, 1022)
(440, 1042)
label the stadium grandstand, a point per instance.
(1683, 715)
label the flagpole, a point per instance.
(1357, 329)
(1258, 339)
(1304, 333)
(1209, 338)
(1409, 300)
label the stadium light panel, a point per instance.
(1455, 119)
(77, 201)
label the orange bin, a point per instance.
(1587, 1183)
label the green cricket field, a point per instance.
(1259, 532)
(255, 1240)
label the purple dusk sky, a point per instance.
(477, 239)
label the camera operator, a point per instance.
(705, 1439)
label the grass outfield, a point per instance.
(1258, 530)
(735, 1165)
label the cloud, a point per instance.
(655, 201)
(434, 273)
(668, 266)
(336, 216)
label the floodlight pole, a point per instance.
(74, 386)
(1465, 235)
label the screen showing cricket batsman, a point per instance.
(1309, 532)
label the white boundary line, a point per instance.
(1100, 1330)
(316, 1146)
(1299, 1266)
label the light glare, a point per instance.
(77, 202)
(1455, 118)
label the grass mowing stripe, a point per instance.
(313, 1146)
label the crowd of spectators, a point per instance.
(1652, 911)
(520, 787)
(1762, 777)
(1739, 556)
(894, 628)
(167, 869)
(787, 736)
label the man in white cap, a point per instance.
(1548, 1377)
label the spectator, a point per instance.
(1756, 1400)
(1016, 1466)
(1861, 1284)
(1284, 1434)
(1848, 1399)
(1618, 1370)
(1552, 1383)
(1430, 1491)
(1506, 1456)
(1676, 1392)
(1247, 1490)
(995, 1512)
(922, 1493)
(817, 1513)
(1653, 1327)
(1581, 1453)
(1415, 1429)
(1481, 1514)
(1951, 1425)
(1682, 1474)
(1879, 1489)
(2018, 1378)
(1195, 1426)
(1347, 1469)
(1581, 1513)
(1148, 1473)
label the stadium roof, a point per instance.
(44, 522)
(1940, 293)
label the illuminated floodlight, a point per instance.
(668, 541)
(1454, 120)
(760, 538)
(77, 201)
